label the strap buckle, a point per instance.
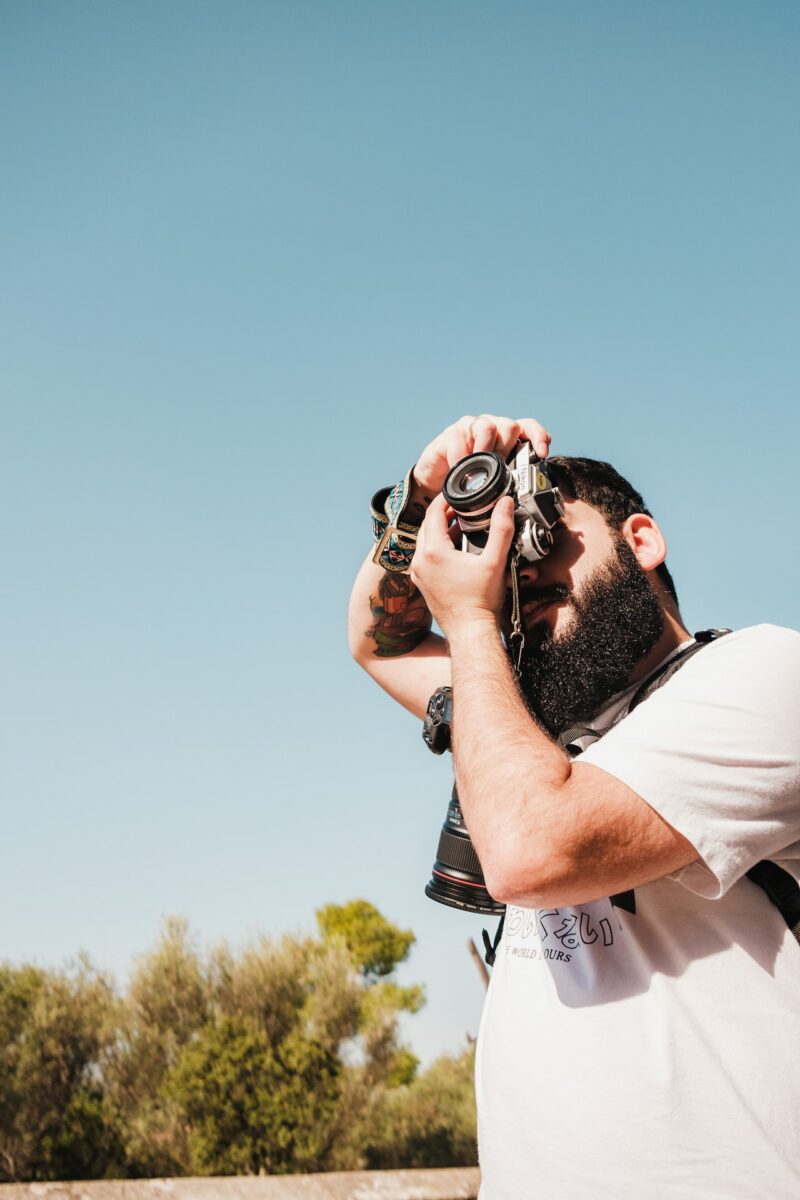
(397, 557)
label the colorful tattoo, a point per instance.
(401, 615)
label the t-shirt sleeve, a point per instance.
(716, 752)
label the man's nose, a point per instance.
(529, 572)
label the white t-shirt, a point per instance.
(656, 1055)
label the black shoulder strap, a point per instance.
(665, 672)
(781, 888)
(651, 684)
(490, 946)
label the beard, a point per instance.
(617, 620)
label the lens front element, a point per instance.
(476, 482)
(474, 479)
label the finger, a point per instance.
(462, 428)
(485, 433)
(501, 532)
(453, 527)
(508, 434)
(459, 444)
(437, 457)
(434, 530)
(535, 433)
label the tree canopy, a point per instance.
(284, 1056)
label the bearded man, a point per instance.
(642, 1026)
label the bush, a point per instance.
(284, 1057)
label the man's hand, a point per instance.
(462, 589)
(389, 622)
(471, 435)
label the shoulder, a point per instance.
(760, 639)
(716, 751)
(760, 655)
(748, 680)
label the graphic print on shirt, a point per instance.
(558, 935)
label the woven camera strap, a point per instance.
(395, 536)
(780, 888)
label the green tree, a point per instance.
(55, 1120)
(167, 1003)
(429, 1123)
(283, 1056)
(375, 945)
(252, 1106)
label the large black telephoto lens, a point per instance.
(457, 878)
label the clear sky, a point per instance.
(254, 256)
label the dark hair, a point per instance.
(598, 484)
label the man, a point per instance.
(636, 1045)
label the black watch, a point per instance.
(438, 719)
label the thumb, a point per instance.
(501, 532)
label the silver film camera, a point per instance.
(475, 484)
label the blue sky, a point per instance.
(254, 256)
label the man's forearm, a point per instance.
(388, 615)
(511, 776)
(389, 626)
(547, 832)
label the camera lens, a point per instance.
(457, 877)
(476, 482)
(474, 479)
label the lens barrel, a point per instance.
(476, 483)
(457, 877)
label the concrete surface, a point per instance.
(451, 1183)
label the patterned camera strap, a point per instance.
(396, 539)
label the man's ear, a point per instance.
(645, 539)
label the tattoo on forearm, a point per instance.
(402, 619)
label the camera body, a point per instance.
(438, 719)
(475, 484)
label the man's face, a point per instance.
(590, 615)
(583, 542)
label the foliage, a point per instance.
(430, 1122)
(375, 945)
(252, 1106)
(282, 1057)
(55, 1117)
